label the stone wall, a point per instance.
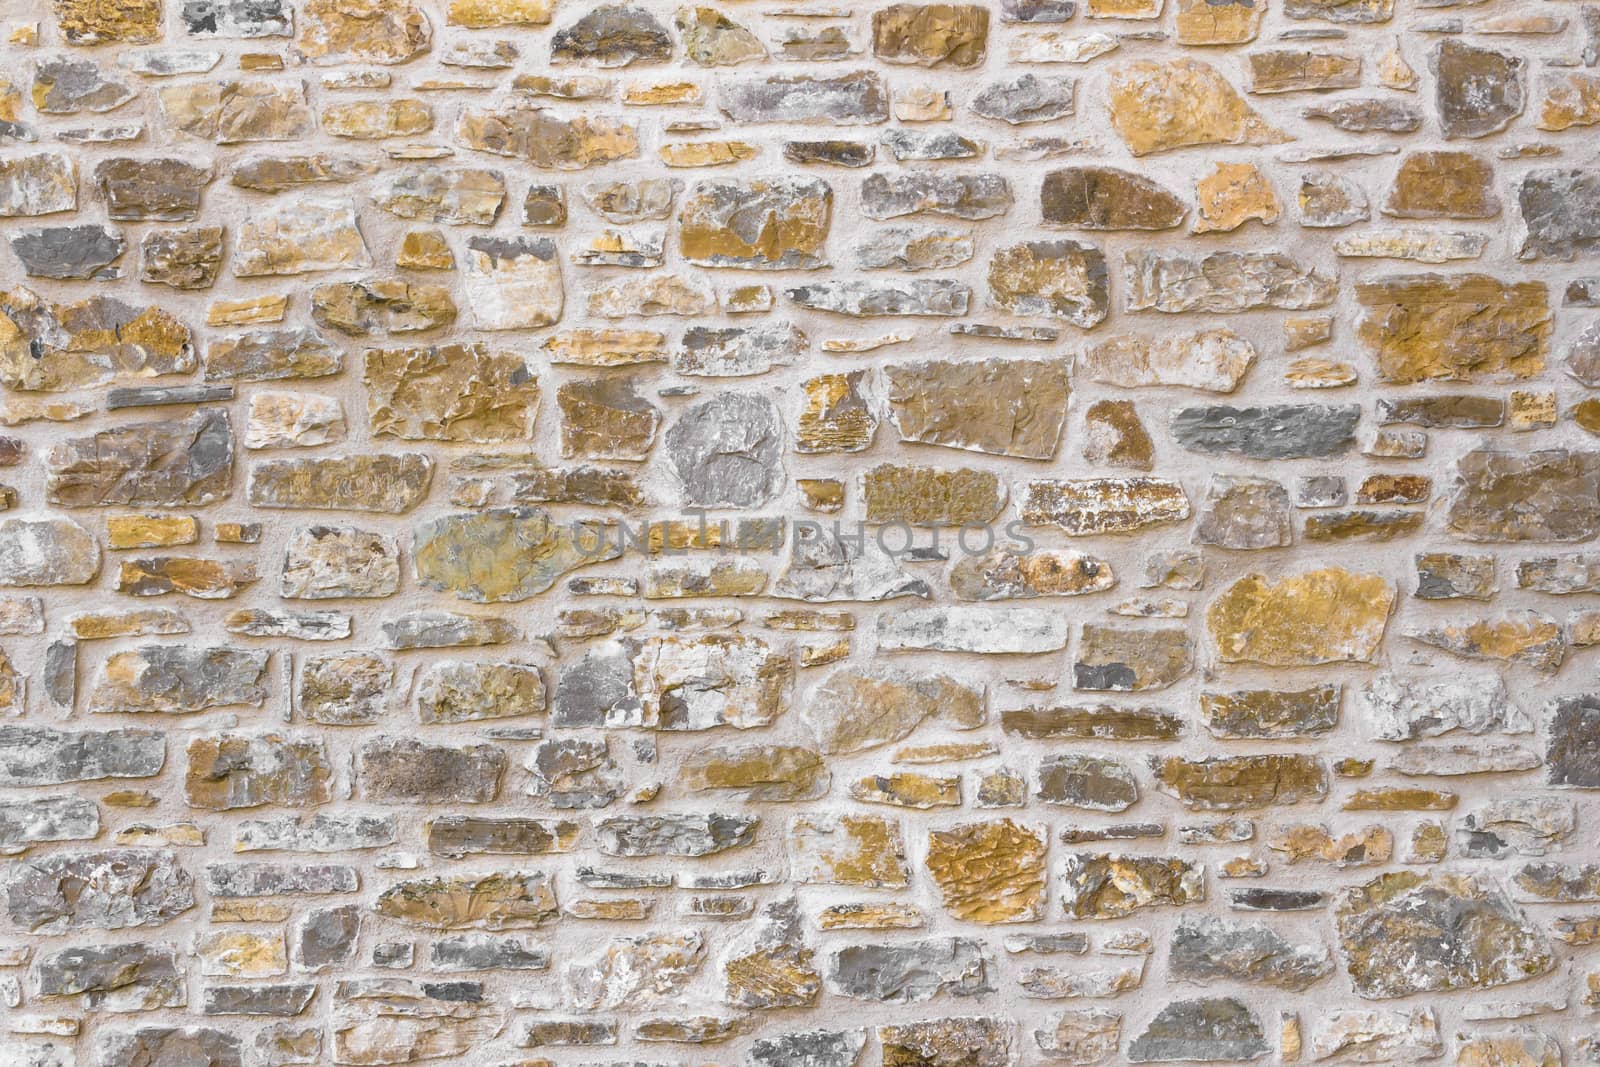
(482, 580)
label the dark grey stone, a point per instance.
(169, 1046)
(1572, 757)
(1080, 781)
(64, 85)
(1278, 431)
(1477, 91)
(486, 952)
(809, 1048)
(1213, 1029)
(279, 999)
(1210, 949)
(1561, 209)
(832, 153)
(135, 976)
(612, 35)
(151, 396)
(909, 971)
(77, 252)
(325, 937)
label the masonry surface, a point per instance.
(480, 579)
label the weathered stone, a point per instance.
(1158, 107)
(1104, 198)
(69, 252)
(46, 552)
(1244, 513)
(757, 772)
(54, 347)
(444, 194)
(1233, 194)
(635, 972)
(1558, 209)
(1025, 98)
(989, 872)
(322, 562)
(1282, 431)
(1063, 279)
(179, 679)
(685, 835)
(272, 355)
(1329, 200)
(228, 771)
(393, 483)
(39, 755)
(116, 889)
(496, 901)
(1114, 436)
(612, 35)
(1209, 949)
(544, 139)
(1002, 407)
(1406, 933)
(369, 31)
(861, 299)
(606, 418)
(972, 629)
(62, 818)
(1215, 1029)
(464, 835)
(777, 224)
(837, 416)
(1093, 783)
(976, 1041)
(854, 710)
(474, 691)
(1402, 709)
(1006, 575)
(136, 976)
(1369, 116)
(575, 773)
(1527, 637)
(1443, 185)
(662, 683)
(1477, 91)
(1109, 886)
(371, 120)
(726, 451)
(166, 190)
(1104, 505)
(402, 769)
(454, 392)
(908, 972)
(513, 283)
(810, 1048)
(238, 112)
(931, 35)
(1214, 360)
(850, 99)
(1320, 616)
(1240, 783)
(738, 351)
(1428, 327)
(1294, 70)
(1111, 658)
(158, 1044)
(278, 174)
(962, 196)
(1226, 281)
(1268, 713)
(308, 236)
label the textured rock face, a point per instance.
(984, 533)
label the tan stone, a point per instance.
(1369, 846)
(492, 14)
(763, 224)
(371, 120)
(1320, 616)
(456, 392)
(1215, 360)
(151, 531)
(857, 850)
(102, 21)
(989, 872)
(1571, 99)
(382, 305)
(999, 406)
(1293, 70)
(1240, 783)
(1432, 327)
(362, 31)
(425, 250)
(1203, 22)
(1443, 185)
(606, 418)
(1158, 107)
(542, 138)
(923, 495)
(931, 35)
(488, 902)
(305, 236)
(1233, 194)
(836, 416)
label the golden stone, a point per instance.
(989, 872)
(1158, 107)
(1320, 616)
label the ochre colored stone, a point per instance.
(1233, 194)
(989, 872)
(1161, 106)
(1320, 616)
(1430, 327)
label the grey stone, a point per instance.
(1477, 91)
(134, 976)
(46, 551)
(909, 146)
(1399, 708)
(270, 880)
(446, 629)
(1406, 932)
(325, 937)
(1095, 783)
(684, 835)
(1214, 1029)
(708, 352)
(727, 451)
(322, 832)
(1210, 949)
(863, 299)
(39, 755)
(825, 569)
(908, 972)
(272, 355)
(1025, 98)
(275, 999)
(1279, 431)
(32, 821)
(179, 679)
(407, 770)
(155, 396)
(1561, 210)
(575, 773)
(808, 1048)
(115, 889)
(237, 18)
(1329, 200)
(486, 952)
(1520, 825)
(1242, 512)
(961, 196)
(187, 1046)
(467, 835)
(66, 85)
(1225, 281)
(179, 462)
(914, 248)
(857, 98)
(612, 35)
(1573, 755)
(69, 252)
